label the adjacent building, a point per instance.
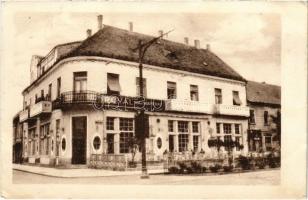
(83, 98)
(264, 101)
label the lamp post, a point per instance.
(142, 48)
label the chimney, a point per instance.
(186, 40)
(160, 32)
(131, 26)
(89, 32)
(208, 47)
(100, 22)
(197, 44)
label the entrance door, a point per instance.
(110, 143)
(79, 132)
(171, 143)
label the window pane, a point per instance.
(126, 124)
(237, 128)
(195, 127)
(124, 138)
(227, 128)
(183, 142)
(170, 126)
(218, 128)
(183, 126)
(196, 142)
(110, 123)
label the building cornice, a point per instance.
(130, 64)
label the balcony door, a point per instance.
(79, 140)
(80, 86)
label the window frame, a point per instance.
(218, 95)
(194, 90)
(171, 86)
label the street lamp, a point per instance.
(142, 48)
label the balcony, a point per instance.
(188, 106)
(231, 110)
(100, 101)
(40, 107)
(24, 115)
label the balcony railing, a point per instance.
(232, 110)
(24, 115)
(104, 101)
(188, 106)
(40, 107)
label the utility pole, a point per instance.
(142, 48)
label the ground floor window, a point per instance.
(110, 143)
(237, 140)
(183, 142)
(124, 141)
(196, 142)
(268, 143)
(228, 140)
(171, 143)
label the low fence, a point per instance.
(111, 162)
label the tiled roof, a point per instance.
(120, 44)
(263, 93)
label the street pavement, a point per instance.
(266, 177)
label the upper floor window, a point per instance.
(194, 93)
(265, 117)
(138, 87)
(171, 90)
(113, 84)
(42, 94)
(49, 91)
(237, 128)
(218, 96)
(80, 81)
(227, 128)
(252, 117)
(58, 87)
(236, 98)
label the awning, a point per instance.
(236, 100)
(113, 83)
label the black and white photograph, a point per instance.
(110, 97)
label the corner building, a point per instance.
(82, 99)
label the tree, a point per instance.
(277, 121)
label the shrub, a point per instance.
(196, 167)
(203, 169)
(228, 168)
(173, 170)
(215, 168)
(244, 162)
(260, 162)
(182, 166)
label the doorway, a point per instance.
(79, 140)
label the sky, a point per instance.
(249, 43)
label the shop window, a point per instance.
(159, 143)
(110, 123)
(113, 84)
(183, 142)
(171, 90)
(138, 87)
(96, 142)
(217, 128)
(236, 98)
(227, 140)
(63, 144)
(195, 127)
(196, 142)
(170, 126)
(237, 128)
(194, 93)
(183, 126)
(218, 96)
(227, 128)
(125, 137)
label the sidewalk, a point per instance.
(75, 173)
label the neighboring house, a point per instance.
(190, 95)
(264, 101)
